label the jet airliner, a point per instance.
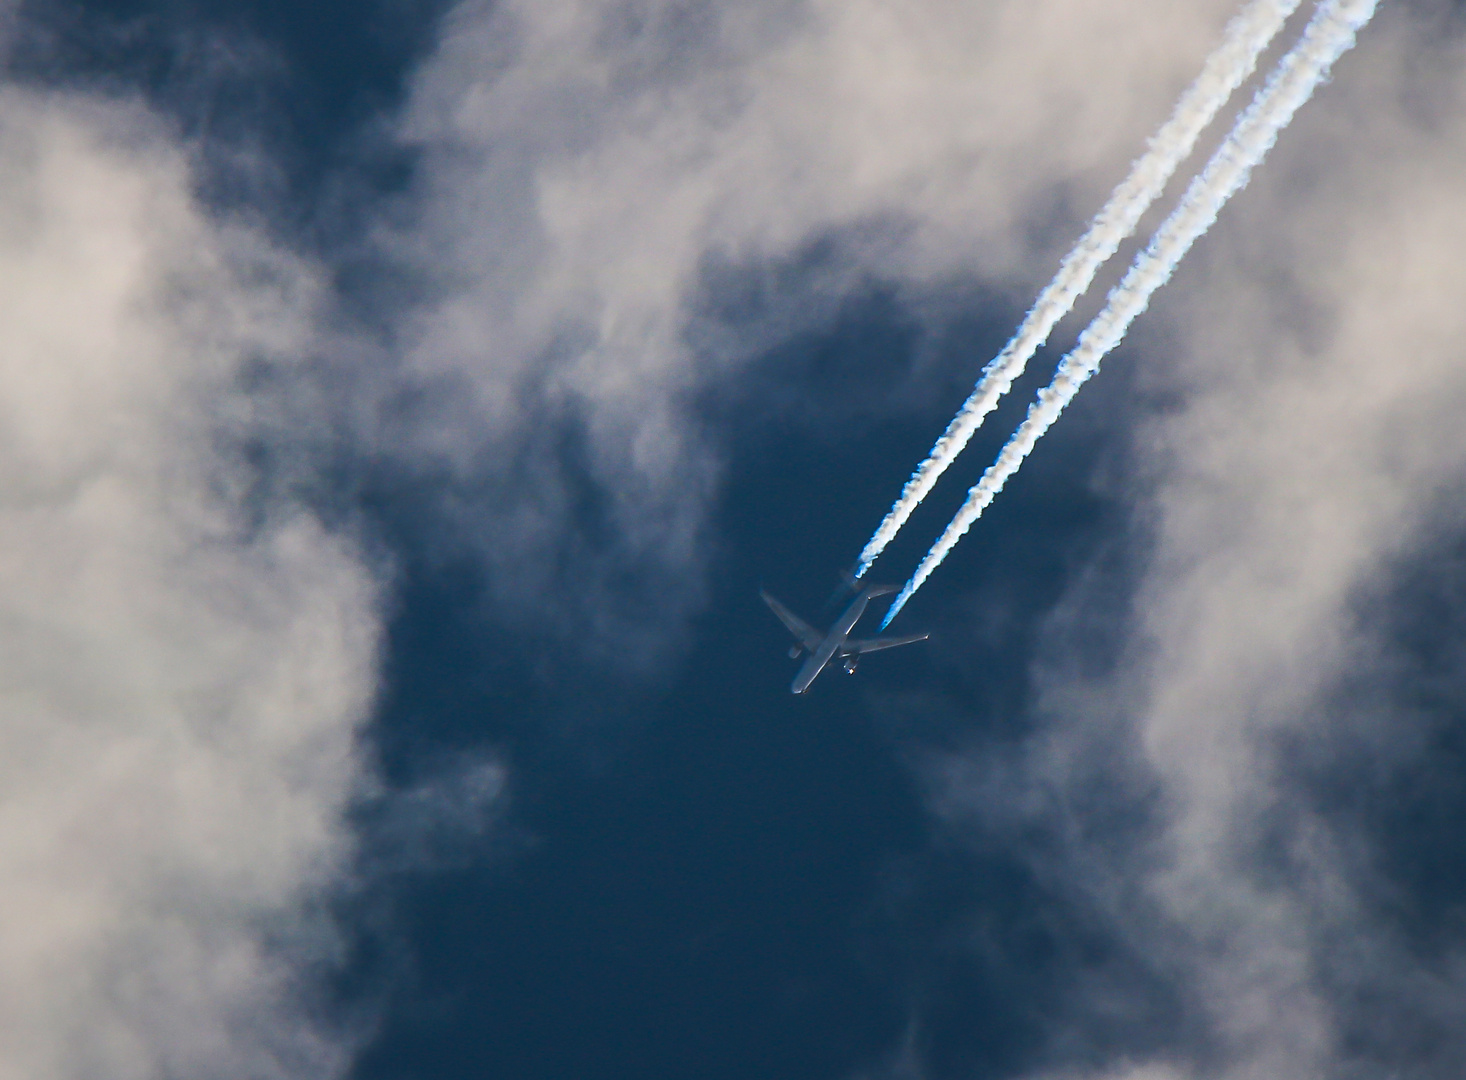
(823, 648)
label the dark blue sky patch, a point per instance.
(706, 884)
(1406, 792)
(1385, 776)
(285, 97)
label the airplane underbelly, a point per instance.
(811, 669)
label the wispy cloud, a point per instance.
(585, 164)
(189, 653)
(185, 663)
(1301, 467)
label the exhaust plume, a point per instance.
(1330, 33)
(1247, 35)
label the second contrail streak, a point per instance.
(1328, 36)
(1247, 35)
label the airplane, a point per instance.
(823, 648)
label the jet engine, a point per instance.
(794, 651)
(850, 663)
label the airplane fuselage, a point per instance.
(831, 644)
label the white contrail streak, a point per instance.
(1329, 35)
(1247, 35)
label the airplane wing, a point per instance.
(860, 646)
(808, 636)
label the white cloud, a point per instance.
(586, 162)
(1312, 353)
(183, 662)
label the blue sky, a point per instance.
(403, 404)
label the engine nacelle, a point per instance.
(794, 651)
(851, 662)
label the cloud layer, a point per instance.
(186, 660)
(588, 168)
(1267, 708)
(189, 654)
(607, 155)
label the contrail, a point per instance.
(1247, 35)
(1329, 35)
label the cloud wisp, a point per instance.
(1247, 35)
(588, 168)
(1248, 793)
(1329, 34)
(187, 659)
